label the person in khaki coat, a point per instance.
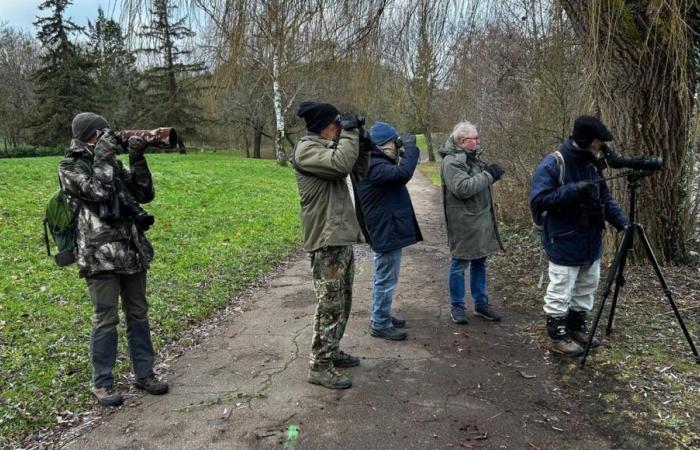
(323, 159)
(471, 221)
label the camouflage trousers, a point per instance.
(333, 270)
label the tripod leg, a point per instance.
(667, 291)
(620, 282)
(620, 257)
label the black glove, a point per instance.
(408, 139)
(107, 144)
(137, 145)
(587, 192)
(365, 141)
(496, 171)
(350, 121)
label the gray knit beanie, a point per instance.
(85, 124)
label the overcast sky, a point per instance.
(21, 13)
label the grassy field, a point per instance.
(220, 222)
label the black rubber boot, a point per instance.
(577, 325)
(560, 340)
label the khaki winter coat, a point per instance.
(118, 246)
(327, 213)
(468, 204)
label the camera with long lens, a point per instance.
(617, 160)
(124, 205)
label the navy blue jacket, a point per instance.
(386, 205)
(572, 234)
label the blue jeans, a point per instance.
(477, 281)
(386, 277)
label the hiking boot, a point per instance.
(458, 315)
(342, 359)
(329, 378)
(487, 313)
(560, 340)
(152, 385)
(398, 323)
(577, 324)
(390, 334)
(107, 396)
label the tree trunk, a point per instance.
(279, 116)
(643, 89)
(429, 142)
(257, 139)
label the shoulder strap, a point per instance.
(560, 164)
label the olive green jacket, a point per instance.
(327, 213)
(468, 203)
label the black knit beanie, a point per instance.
(85, 124)
(317, 115)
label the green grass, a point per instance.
(220, 222)
(431, 170)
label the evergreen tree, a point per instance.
(172, 84)
(115, 75)
(63, 82)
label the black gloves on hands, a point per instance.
(408, 139)
(365, 141)
(587, 192)
(350, 121)
(107, 144)
(496, 171)
(137, 146)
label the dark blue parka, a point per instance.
(572, 234)
(389, 216)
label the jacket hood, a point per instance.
(450, 147)
(80, 149)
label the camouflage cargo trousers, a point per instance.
(333, 270)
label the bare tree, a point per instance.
(19, 60)
(643, 72)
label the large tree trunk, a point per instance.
(429, 142)
(643, 89)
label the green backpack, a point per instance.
(61, 224)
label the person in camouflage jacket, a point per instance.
(113, 255)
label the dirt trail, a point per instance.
(477, 386)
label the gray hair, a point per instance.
(462, 129)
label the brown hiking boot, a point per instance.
(577, 325)
(329, 378)
(560, 339)
(152, 385)
(565, 347)
(107, 396)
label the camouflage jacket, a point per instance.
(87, 178)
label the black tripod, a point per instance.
(616, 274)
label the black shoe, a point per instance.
(342, 359)
(398, 323)
(107, 396)
(152, 385)
(487, 313)
(457, 314)
(391, 334)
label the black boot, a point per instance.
(560, 340)
(577, 325)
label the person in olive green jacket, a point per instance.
(323, 159)
(470, 216)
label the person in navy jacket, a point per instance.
(389, 219)
(574, 215)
